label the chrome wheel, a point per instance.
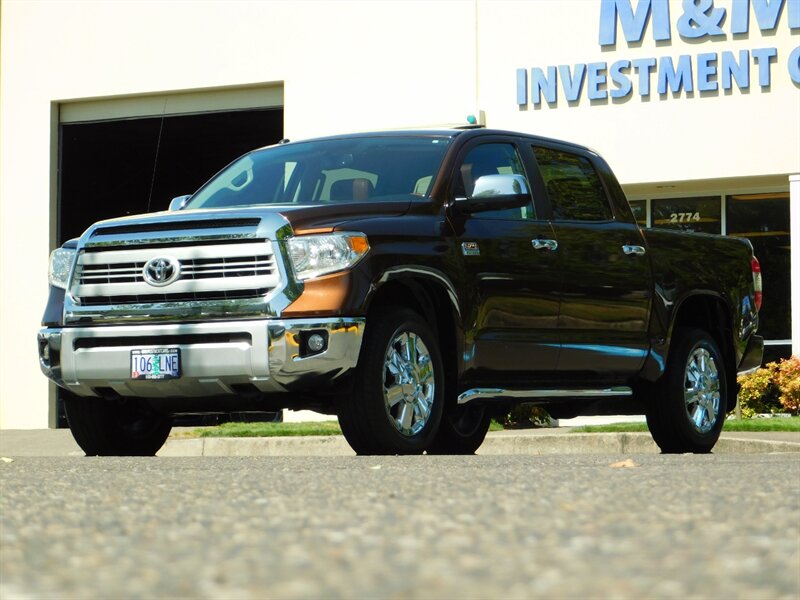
(408, 383)
(702, 390)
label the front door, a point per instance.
(511, 273)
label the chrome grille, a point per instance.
(216, 271)
(237, 266)
(192, 268)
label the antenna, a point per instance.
(155, 162)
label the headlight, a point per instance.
(61, 261)
(315, 255)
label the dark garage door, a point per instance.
(125, 167)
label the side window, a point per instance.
(492, 159)
(573, 186)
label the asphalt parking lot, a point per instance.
(504, 526)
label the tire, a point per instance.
(462, 430)
(689, 407)
(398, 388)
(116, 428)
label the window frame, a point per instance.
(537, 203)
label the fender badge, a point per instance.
(470, 249)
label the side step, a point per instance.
(490, 394)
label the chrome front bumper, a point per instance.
(217, 358)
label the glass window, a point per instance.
(764, 220)
(639, 208)
(492, 159)
(701, 214)
(374, 169)
(573, 186)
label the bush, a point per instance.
(771, 389)
(787, 378)
(525, 416)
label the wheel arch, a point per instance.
(431, 295)
(712, 314)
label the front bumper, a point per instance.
(217, 358)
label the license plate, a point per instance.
(156, 363)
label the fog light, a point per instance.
(46, 353)
(316, 342)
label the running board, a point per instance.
(501, 394)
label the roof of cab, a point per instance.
(466, 132)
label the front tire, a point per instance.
(398, 389)
(688, 410)
(116, 428)
(462, 431)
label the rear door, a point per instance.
(511, 286)
(605, 272)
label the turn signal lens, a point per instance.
(317, 255)
(61, 260)
(755, 266)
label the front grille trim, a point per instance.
(207, 272)
(150, 299)
(204, 268)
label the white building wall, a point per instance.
(344, 66)
(675, 137)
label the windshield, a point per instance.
(372, 169)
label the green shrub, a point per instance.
(771, 389)
(787, 378)
(525, 416)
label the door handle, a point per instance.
(633, 250)
(540, 244)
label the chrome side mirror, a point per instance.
(495, 192)
(179, 202)
(493, 186)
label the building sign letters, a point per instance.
(699, 21)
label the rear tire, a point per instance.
(689, 407)
(116, 428)
(398, 387)
(462, 431)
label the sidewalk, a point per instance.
(59, 442)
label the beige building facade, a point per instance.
(105, 107)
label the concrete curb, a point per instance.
(564, 443)
(333, 445)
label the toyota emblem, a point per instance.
(161, 270)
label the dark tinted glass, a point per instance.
(639, 208)
(701, 214)
(764, 220)
(573, 186)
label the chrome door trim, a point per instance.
(540, 244)
(633, 250)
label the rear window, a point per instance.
(371, 169)
(573, 186)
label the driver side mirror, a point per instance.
(179, 202)
(496, 192)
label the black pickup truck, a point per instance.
(413, 283)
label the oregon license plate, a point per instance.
(156, 363)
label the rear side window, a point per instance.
(573, 186)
